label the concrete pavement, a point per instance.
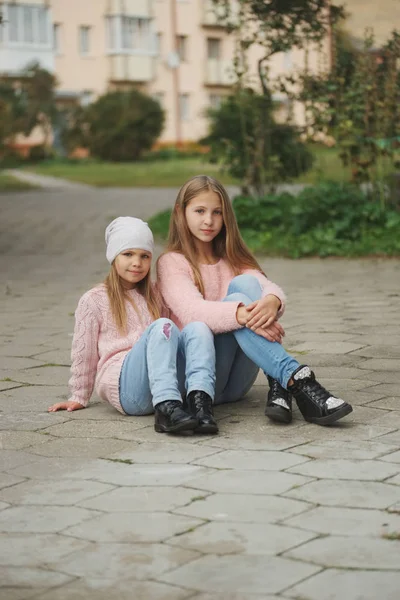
(95, 505)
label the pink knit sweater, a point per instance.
(181, 296)
(98, 349)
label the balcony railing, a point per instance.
(130, 67)
(219, 72)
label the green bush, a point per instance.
(245, 138)
(329, 219)
(123, 125)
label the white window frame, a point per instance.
(38, 35)
(182, 47)
(57, 34)
(184, 108)
(218, 44)
(84, 40)
(130, 34)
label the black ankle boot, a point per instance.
(170, 417)
(279, 402)
(316, 404)
(199, 404)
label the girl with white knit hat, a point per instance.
(137, 360)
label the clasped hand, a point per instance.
(261, 317)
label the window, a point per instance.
(28, 25)
(215, 101)
(184, 107)
(57, 38)
(181, 46)
(86, 97)
(127, 35)
(213, 48)
(84, 44)
(159, 44)
(159, 96)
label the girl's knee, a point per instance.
(198, 328)
(166, 327)
(244, 283)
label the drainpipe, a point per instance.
(175, 73)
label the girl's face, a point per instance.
(132, 266)
(204, 216)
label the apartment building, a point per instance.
(176, 50)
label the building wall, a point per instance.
(382, 16)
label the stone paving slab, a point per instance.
(94, 504)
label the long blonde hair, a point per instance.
(117, 296)
(228, 244)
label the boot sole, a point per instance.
(207, 429)
(332, 418)
(278, 414)
(185, 426)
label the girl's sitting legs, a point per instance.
(316, 404)
(149, 382)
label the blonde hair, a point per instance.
(228, 244)
(117, 296)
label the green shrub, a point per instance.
(122, 125)
(246, 140)
(329, 219)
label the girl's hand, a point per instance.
(273, 333)
(69, 406)
(262, 313)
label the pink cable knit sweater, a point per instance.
(98, 349)
(181, 296)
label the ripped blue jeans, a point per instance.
(166, 363)
(241, 353)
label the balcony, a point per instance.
(215, 16)
(139, 8)
(219, 73)
(131, 67)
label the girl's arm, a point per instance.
(269, 288)
(84, 355)
(185, 301)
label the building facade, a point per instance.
(175, 50)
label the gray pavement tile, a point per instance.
(336, 584)
(392, 437)
(252, 460)
(241, 573)
(143, 499)
(332, 347)
(7, 480)
(104, 589)
(165, 452)
(9, 459)
(392, 403)
(133, 527)
(9, 385)
(17, 363)
(362, 470)
(259, 441)
(381, 364)
(349, 553)
(356, 494)
(390, 419)
(30, 421)
(385, 377)
(48, 467)
(15, 440)
(393, 457)
(57, 492)
(244, 508)
(29, 578)
(4, 505)
(347, 521)
(97, 429)
(118, 561)
(21, 549)
(395, 508)
(75, 447)
(379, 351)
(368, 415)
(334, 449)
(117, 473)
(344, 430)
(234, 596)
(248, 482)
(41, 519)
(386, 389)
(10, 593)
(394, 480)
(31, 398)
(241, 538)
(38, 376)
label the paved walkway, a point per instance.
(94, 505)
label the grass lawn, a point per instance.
(174, 172)
(163, 173)
(11, 184)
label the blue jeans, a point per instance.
(241, 353)
(166, 363)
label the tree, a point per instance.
(122, 125)
(273, 26)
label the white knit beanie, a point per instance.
(127, 232)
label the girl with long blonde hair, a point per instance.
(208, 274)
(138, 361)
